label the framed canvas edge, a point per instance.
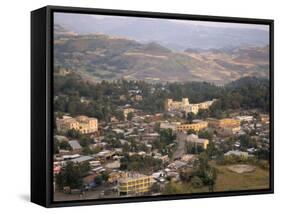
(49, 75)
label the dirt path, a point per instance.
(180, 151)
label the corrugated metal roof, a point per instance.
(82, 159)
(74, 144)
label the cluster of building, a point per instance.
(185, 106)
(127, 111)
(133, 95)
(84, 124)
(226, 126)
(193, 139)
(142, 130)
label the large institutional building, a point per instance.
(193, 139)
(135, 184)
(226, 126)
(223, 123)
(185, 106)
(197, 125)
(83, 124)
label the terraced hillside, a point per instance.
(102, 57)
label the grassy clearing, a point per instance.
(226, 181)
(230, 181)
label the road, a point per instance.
(181, 150)
(92, 194)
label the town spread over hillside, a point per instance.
(138, 119)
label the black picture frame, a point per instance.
(42, 108)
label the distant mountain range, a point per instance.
(102, 57)
(176, 35)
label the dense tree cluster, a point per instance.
(71, 175)
(205, 172)
(140, 163)
(163, 144)
(103, 98)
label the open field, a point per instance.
(227, 181)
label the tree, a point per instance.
(119, 115)
(193, 148)
(64, 145)
(196, 182)
(206, 135)
(167, 136)
(84, 168)
(126, 148)
(60, 104)
(190, 117)
(210, 179)
(173, 188)
(72, 133)
(155, 188)
(86, 150)
(246, 93)
(203, 113)
(186, 174)
(70, 175)
(85, 140)
(157, 127)
(246, 142)
(98, 180)
(206, 172)
(262, 154)
(140, 163)
(56, 146)
(97, 149)
(191, 131)
(105, 176)
(212, 151)
(130, 116)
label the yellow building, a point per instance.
(196, 126)
(264, 118)
(126, 111)
(122, 97)
(135, 184)
(83, 124)
(194, 108)
(226, 126)
(229, 130)
(223, 123)
(136, 98)
(63, 71)
(198, 141)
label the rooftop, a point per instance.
(82, 159)
(236, 152)
(132, 176)
(74, 144)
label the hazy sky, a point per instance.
(224, 24)
(172, 33)
(198, 23)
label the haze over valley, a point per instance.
(217, 54)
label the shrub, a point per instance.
(196, 182)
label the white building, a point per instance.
(187, 107)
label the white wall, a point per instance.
(15, 99)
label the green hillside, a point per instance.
(102, 57)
